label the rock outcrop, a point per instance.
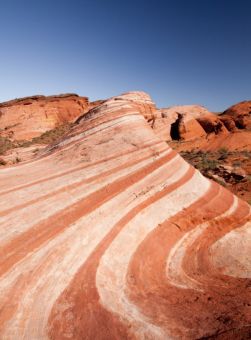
(187, 122)
(110, 234)
(25, 118)
(197, 128)
(238, 116)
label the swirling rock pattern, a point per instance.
(110, 234)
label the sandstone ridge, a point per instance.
(110, 234)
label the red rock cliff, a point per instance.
(29, 117)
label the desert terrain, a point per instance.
(107, 232)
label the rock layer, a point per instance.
(29, 117)
(187, 122)
(112, 235)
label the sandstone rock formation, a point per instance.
(110, 234)
(187, 122)
(238, 115)
(29, 117)
(197, 128)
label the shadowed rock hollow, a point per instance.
(198, 128)
(110, 234)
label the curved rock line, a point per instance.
(111, 274)
(238, 263)
(200, 248)
(164, 306)
(159, 168)
(158, 178)
(42, 193)
(92, 310)
(133, 243)
(174, 270)
(72, 170)
(61, 219)
(50, 207)
(102, 126)
(105, 125)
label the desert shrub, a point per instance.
(47, 137)
(246, 153)
(207, 164)
(223, 153)
(2, 161)
(5, 145)
(236, 163)
(219, 181)
(24, 143)
(53, 135)
(223, 150)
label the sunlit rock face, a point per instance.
(198, 128)
(187, 122)
(23, 119)
(239, 115)
(110, 234)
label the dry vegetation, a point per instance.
(6, 144)
(228, 168)
(49, 137)
(46, 138)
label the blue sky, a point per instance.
(181, 52)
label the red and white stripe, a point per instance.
(112, 235)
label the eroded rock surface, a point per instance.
(25, 118)
(110, 234)
(187, 122)
(197, 128)
(240, 114)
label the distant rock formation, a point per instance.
(238, 116)
(187, 122)
(110, 234)
(25, 118)
(196, 127)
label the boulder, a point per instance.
(240, 113)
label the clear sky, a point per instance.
(180, 52)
